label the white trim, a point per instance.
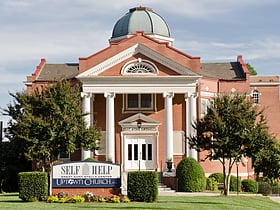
(110, 62)
(149, 84)
(160, 38)
(135, 49)
(134, 62)
(264, 83)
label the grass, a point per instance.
(12, 202)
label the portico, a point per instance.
(146, 137)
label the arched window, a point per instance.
(256, 96)
(140, 67)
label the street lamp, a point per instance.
(139, 124)
(237, 183)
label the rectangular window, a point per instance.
(135, 151)
(146, 101)
(150, 152)
(132, 101)
(256, 97)
(136, 102)
(143, 151)
(129, 152)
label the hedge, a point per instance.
(142, 186)
(33, 186)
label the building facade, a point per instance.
(144, 95)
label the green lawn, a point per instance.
(12, 202)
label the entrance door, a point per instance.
(139, 152)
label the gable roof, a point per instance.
(139, 43)
(54, 72)
(224, 71)
(133, 50)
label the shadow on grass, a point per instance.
(191, 202)
(7, 198)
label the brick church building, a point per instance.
(144, 95)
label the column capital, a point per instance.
(85, 94)
(168, 94)
(109, 94)
(193, 95)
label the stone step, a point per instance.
(164, 188)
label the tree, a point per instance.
(227, 130)
(264, 151)
(267, 160)
(251, 69)
(48, 122)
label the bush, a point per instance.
(33, 186)
(142, 186)
(190, 175)
(276, 189)
(211, 184)
(218, 177)
(233, 184)
(264, 188)
(249, 185)
(90, 159)
(77, 199)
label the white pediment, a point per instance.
(129, 52)
(133, 120)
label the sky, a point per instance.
(62, 31)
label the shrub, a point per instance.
(114, 199)
(276, 189)
(190, 175)
(249, 185)
(264, 188)
(219, 177)
(211, 184)
(77, 199)
(125, 200)
(52, 199)
(233, 183)
(89, 196)
(33, 186)
(142, 186)
(89, 159)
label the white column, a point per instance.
(192, 119)
(168, 126)
(187, 149)
(110, 127)
(86, 110)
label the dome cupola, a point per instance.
(141, 19)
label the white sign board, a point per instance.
(86, 174)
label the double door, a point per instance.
(139, 152)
